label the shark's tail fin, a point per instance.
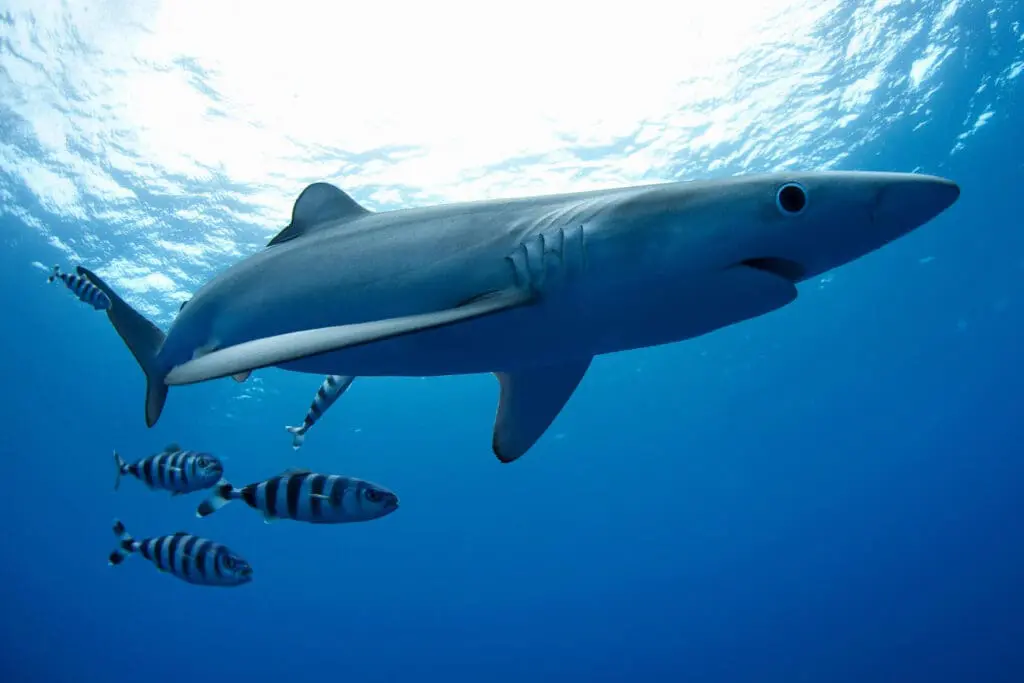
(142, 338)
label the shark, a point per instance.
(530, 289)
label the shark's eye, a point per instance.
(791, 199)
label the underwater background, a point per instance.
(828, 493)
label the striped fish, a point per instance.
(84, 289)
(190, 558)
(173, 470)
(329, 392)
(306, 496)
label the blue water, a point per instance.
(827, 493)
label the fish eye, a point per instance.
(229, 562)
(791, 199)
(203, 462)
(373, 495)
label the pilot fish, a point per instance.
(173, 469)
(332, 388)
(306, 496)
(189, 558)
(85, 290)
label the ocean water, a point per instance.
(828, 493)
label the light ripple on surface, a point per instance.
(160, 141)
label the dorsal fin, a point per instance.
(318, 204)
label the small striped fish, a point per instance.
(173, 470)
(84, 289)
(329, 392)
(190, 558)
(307, 497)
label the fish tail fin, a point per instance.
(122, 468)
(125, 545)
(223, 493)
(54, 272)
(298, 435)
(143, 339)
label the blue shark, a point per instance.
(530, 289)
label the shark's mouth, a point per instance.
(781, 267)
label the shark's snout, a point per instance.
(913, 201)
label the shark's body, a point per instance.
(530, 289)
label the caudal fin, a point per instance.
(122, 468)
(125, 545)
(298, 435)
(223, 493)
(54, 272)
(143, 339)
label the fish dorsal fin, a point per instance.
(172, 448)
(317, 205)
(530, 401)
(296, 470)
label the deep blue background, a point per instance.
(828, 493)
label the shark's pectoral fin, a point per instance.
(241, 376)
(283, 348)
(530, 401)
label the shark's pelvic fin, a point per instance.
(318, 204)
(530, 401)
(241, 376)
(143, 339)
(283, 348)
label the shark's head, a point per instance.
(794, 225)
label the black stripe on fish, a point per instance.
(188, 562)
(172, 553)
(270, 496)
(180, 474)
(161, 554)
(218, 559)
(249, 495)
(147, 471)
(171, 473)
(162, 470)
(316, 488)
(294, 488)
(201, 553)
